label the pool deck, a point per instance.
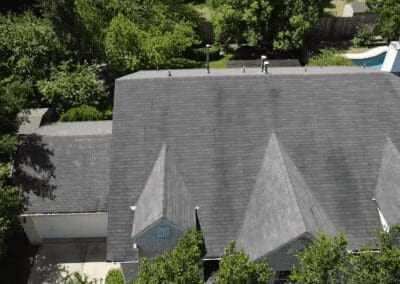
(368, 54)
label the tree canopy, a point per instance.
(388, 12)
(235, 267)
(287, 24)
(183, 264)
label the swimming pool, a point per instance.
(371, 62)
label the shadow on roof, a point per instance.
(33, 168)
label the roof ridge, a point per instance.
(293, 191)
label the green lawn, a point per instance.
(221, 63)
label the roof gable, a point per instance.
(387, 192)
(164, 196)
(282, 208)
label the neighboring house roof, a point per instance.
(354, 8)
(33, 119)
(64, 167)
(331, 122)
(359, 7)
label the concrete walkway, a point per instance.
(58, 259)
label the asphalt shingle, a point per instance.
(332, 124)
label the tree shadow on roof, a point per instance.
(34, 169)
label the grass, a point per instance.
(221, 63)
(330, 57)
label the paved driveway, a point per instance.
(58, 259)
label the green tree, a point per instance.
(287, 23)
(10, 204)
(183, 264)
(388, 12)
(381, 264)
(73, 86)
(325, 261)
(236, 267)
(12, 99)
(29, 46)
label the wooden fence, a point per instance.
(342, 28)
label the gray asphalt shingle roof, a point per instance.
(332, 123)
(64, 168)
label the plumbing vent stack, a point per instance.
(208, 58)
(266, 63)
(263, 59)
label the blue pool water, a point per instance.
(372, 62)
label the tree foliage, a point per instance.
(325, 261)
(73, 86)
(115, 276)
(381, 264)
(183, 264)
(388, 12)
(236, 267)
(82, 113)
(286, 23)
(29, 46)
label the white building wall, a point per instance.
(392, 59)
(79, 225)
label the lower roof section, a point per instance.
(65, 168)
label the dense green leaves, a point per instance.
(388, 12)
(28, 47)
(82, 113)
(287, 23)
(115, 276)
(381, 264)
(183, 264)
(326, 261)
(10, 203)
(70, 87)
(235, 267)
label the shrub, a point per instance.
(115, 276)
(82, 113)
(364, 36)
(330, 57)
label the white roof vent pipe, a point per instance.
(263, 59)
(266, 64)
(208, 58)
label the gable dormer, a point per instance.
(164, 211)
(283, 215)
